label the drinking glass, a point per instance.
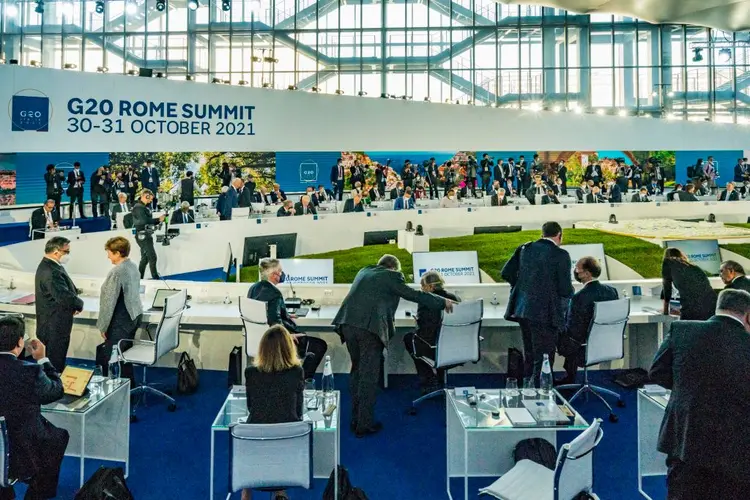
(529, 389)
(310, 394)
(511, 386)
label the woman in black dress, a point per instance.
(275, 383)
(697, 298)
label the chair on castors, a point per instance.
(606, 342)
(457, 343)
(573, 473)
(270, 457)
(254, 323)
(5, 480)
(166, 339)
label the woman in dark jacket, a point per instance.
(697, 298)
(274, 383)
(419, 342)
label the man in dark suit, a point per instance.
(538, 189)
(398, 191)
(304, 207)
(142, 222)
(614, 192)
(431, 177)
(150, 180)
(286, 209)
(704, 431)
(43, 218)
(76, 180)
(593, 173)
(580, 314)
(36, 446)
(337, 179)
(688, 194)
(53, 180)
(641, 196)
(365, 322)
(498, 198)
(675, 195)
(122, 206)
(187, 188)
(183, 215)
(245, 198)
(404, 202)
(595, 196)
(539, 295)
(733, 275)
(56, 302)
(132, 183)
(550, 198)
(224, 203)
(729, 194)
(354, 204)
(310, 350)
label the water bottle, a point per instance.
(327, 378)
(114, 365)
(545, 378)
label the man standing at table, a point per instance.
(539, 276)
(365, 324)
(337, 179)
(44, 218)
(76, 180)
(704, 431)
(150, 180)
(56, 301)
(143, 223)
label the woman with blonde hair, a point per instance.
(275, 383)
(697, 297)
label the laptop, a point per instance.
(75, 381)
(160, 299)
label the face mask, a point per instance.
(65, 259)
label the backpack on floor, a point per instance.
(346, 490)
(187, 375)
(234, 375)
(106, 484)
(537, 450)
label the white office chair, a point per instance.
(5, 480)
(573, 473)
(254, 324)
(270, 457)
(166, 339)
(457, 343)
(606, 342)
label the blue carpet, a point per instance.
(170, 451)
(18, 232)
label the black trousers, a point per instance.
(57, 341)
(121, 327)
(433, 187)
(486, 183)
(366, 351)
(43, 485)
(76, 197)
(427, 376)
(564, 188)
(99, 204)
(538, 339)
(311, 350)
(148, 255)
(338, 189)
(693, 482)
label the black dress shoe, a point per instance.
(373, 429)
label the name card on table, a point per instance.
(595, 250)
(455, 267)
(703, 253)
(308, 271)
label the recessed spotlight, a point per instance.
(189, 78)
(133, 72)
(161, 5)
(339, 92)
(623, 112)
(35, 64)
(600, 111)
(556, 109)
(100, 7)
(193, 4)
(70, 66)
(130, 7)
(535, 107)
(11, 10)
(242, 83)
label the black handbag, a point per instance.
(515, 364)
(537, 450)
(346, 490)
(187, 375)
(106, 484)
(234, 373)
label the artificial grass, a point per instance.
(493, 250)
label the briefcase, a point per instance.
(235, 367)
(106, 484)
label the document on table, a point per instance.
(520, 417)
(12, 297)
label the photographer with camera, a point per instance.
(54, 180)
(144, 223)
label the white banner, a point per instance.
(308, 271)
(703, 253)
(595, 250)
(455, 267)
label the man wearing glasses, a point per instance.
(144, 235)
(56, 301)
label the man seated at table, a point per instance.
(580, 314)
(641, 196)
(733, 275)
(354, 203)
(449, 200)
(286, 209)
(675, 195)
(688, 194)
(595, 195)
(498, 198)
(304, 207)
(398, 191)
(614, 192)
(122, 206)
(584, 190)
(182, 215)
(45, 217)
(277, 195)
(36, 446)
(322, 195)
(309, 349)
(729, 194)
(405, 202)
(550, 198)
(537, 191)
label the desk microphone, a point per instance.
(293, 302)
(189, 297)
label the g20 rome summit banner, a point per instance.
(455, 267)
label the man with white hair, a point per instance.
(309, 349)
(122, 207)
(305, 207)
(182, 215)
(224, 203)
(44, 218)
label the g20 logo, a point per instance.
(30, 110)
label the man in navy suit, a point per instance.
(337, 179)
(227, 200)
(150, 180)
(405, 202)
(580, 314)
(729, 194)
(36, 446)
(539, 276)
(615, 192)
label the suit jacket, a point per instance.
(142, 217)
(278, 198)
(299, 209)
(72, 180)
(283, 213)
(54, 184)
(177, 217)
(581, 312)
(538, 292)
(590, 198)
(429, 321)
(150, 180)
(739, 173)
(739, 283)
(39, 221)
(350, 207)
(402, 204)
(592, 172)
(246, 196)
(116, 209)
(276, 313)
(24, 387)
(706, 420)
(615, 194)
(335, 173)
(494, 200)
(56, 300)
(396, 193)
(187, 190)
(550, 200)
(276, 397)
(225, 203)
(733, 196)
(373, 299)
(637, 199)
(652, 190)
(531, 192)
(685, 196)
(671, 195)
(697, 297)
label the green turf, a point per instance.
(493, 251)
(738, 248)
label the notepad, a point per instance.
(520, 417)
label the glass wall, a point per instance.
(465, 51)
